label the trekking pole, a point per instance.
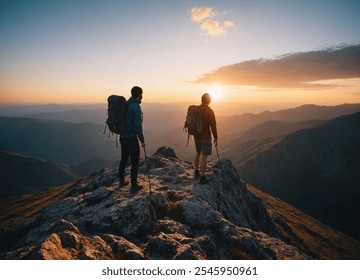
(217, 152)
(147, 167)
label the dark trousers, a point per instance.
(129, 148)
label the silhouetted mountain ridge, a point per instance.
(20, 174)
(93, 165)
(56, 140)
(275, 128)
(242, 123)
(315, 169)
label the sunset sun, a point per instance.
(217, 93)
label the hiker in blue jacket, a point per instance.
(130, 139)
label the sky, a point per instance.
(249, 51)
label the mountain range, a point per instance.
(58, 141)
(315, 169)
(172, 217)
(20, 174)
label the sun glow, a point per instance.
(217, 93)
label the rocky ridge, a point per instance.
(178, 219)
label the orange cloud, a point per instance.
(201, 13)
(209, 25)
(298, 70)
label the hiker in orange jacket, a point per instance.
(203, 143)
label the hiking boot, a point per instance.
(123, 184)
(197, 174)
(135, 188)
(203, 180)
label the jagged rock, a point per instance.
(96, 196)
(134, 218)
(229, 196)
(165, 152)
(200, 248)
(171, 226)
(69, 245)
(179, 219)
(122, 248)
(180, 247)
(159, 202)
(161, 157)
(198, 214)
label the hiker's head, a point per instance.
(137, 92)
(206, 98)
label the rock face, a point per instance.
(179, 219)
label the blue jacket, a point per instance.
(134, 120)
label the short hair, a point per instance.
(206, 98)
(136, 91)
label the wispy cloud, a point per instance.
(297, 70)
(211, 27)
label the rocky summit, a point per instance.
(172, 217)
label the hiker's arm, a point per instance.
(138, 124)
(213, 126)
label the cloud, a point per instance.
(213, 28)
(201, 13)
(297, 70)
(228, 23)
(209, 25)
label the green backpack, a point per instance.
(193, 123)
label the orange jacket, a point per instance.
(209, 122)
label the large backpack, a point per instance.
(116, 114)
(193, 123)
